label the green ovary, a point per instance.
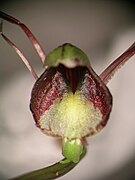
(72, 150)
(72, 117)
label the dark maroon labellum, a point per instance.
(56, 82)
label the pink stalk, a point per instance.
(18, 51)
(107, 74)
(29, 34)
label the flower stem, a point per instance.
(51, 172)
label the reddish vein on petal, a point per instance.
(72, 75)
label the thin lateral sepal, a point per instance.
(51, 172)
(18, 51)
(29, 34)
(108, 73)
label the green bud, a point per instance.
(68, 55)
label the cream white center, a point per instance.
(72, 117)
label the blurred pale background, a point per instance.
(103, 29)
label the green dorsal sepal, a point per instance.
(72, 150)
(68, 55)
